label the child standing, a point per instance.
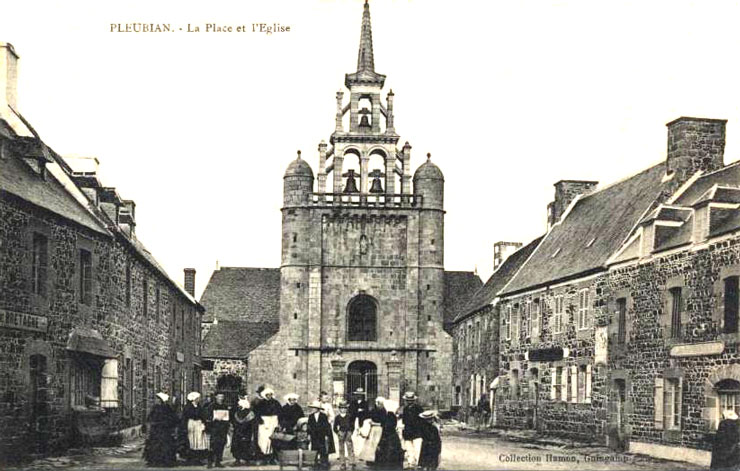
(344, 425)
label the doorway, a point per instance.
(363, 374)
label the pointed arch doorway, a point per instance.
(363, 374)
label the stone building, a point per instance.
(621, 326)
(362, 286)
(475, 331)
(242, 311)
(91, 326)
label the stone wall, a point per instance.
(329, 258)
(151, 341)
(700, 274)
(524, 398)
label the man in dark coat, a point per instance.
(217, 427)
(159, 448)
(431, 446)
(319, 430)
(411, 428)
(726, 447)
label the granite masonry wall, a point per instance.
(156, 351)
(475, 358)
(530, 362)
(700, 274)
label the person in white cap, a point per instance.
(159, 448)
(726, 446)
(290, 413)
(267, 411)
(193, 422)
(242, 444)
(322, 437)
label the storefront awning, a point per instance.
(89, 341)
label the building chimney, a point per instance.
(502, 250)
(190, 281)
(565, 192)
(9, 88)
(693, 144)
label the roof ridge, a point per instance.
(621, 180)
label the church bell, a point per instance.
(376, 187)
(351, 186)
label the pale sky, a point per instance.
(508, 96)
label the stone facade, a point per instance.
(90, 326)
(550, 380)
(372, 251)
(475, 358)
(649, 352)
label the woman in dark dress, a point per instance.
(431, 445)
(290, 413)
(389, 453)
(160, 447)
(726, 448)
(245, 427)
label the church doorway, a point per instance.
(363, 374)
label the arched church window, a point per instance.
(362, 319)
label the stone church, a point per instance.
(363, 294)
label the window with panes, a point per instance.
(621, 321)
(39, 263)
(85, 277)
(672, 403)
(676, 307)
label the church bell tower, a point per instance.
(362, 270)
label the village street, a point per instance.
(460, 451)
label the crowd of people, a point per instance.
(383, 435)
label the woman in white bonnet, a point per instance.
(726, 447)
(192, 417)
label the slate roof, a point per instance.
(243, 294)
(498, 280)
(459, 286)
(235, 339)
(17, 178)
(728, 175)
(594, 229)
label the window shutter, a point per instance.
(658, 398)
(573, 384)
(564, 385)
(553, 376)
(588, 383)
(679, 412)
(109, 384)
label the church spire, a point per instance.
(365, 74)
(365, 62)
